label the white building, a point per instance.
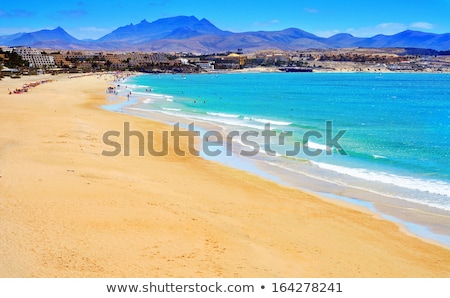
(208, 65)
(6, 49)
(34, 57)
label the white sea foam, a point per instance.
(230, 122)
(223, 115)
(422, 200)
(224, 122)
(428, 186)
(233, 122)
(273, 122)
(171, 109)
(313, 145)
(133, 93)
(131, 86)
(153, 95)
(242, 144)
(138, 109)
(269, 154)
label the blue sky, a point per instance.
(93, 19)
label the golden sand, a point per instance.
(68, 211)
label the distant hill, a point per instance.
(343, 40)
(414, 39)
(6, 39)
(57, 36)
(181, 27)
(187, 33)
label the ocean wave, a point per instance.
(149, 95)
(138, 109)
(237, 140)
(133, 93)
(225, 123)
(228, 122)
(273, 122)
(131, 86)
(225, 115)
(270, 154)
(422, 201)
(313, 145)
(233, 122)
(428, 186)
(379, 156)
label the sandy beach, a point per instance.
(68, 211)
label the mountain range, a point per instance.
(189, 34)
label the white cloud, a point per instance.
(95, 29)
(327, 33)
(89, 32)
(311, 10)
(384, 28)
(422, 25)
(389, 29)
(266, 23)
(14, 30)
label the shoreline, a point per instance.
(408, 227)
(68, 211)
(339, 69)
(317, 70)
(425, 222)
(409, 222)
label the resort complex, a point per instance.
(353, 60)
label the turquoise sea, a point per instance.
(396, 140)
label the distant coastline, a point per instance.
(15, 62)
